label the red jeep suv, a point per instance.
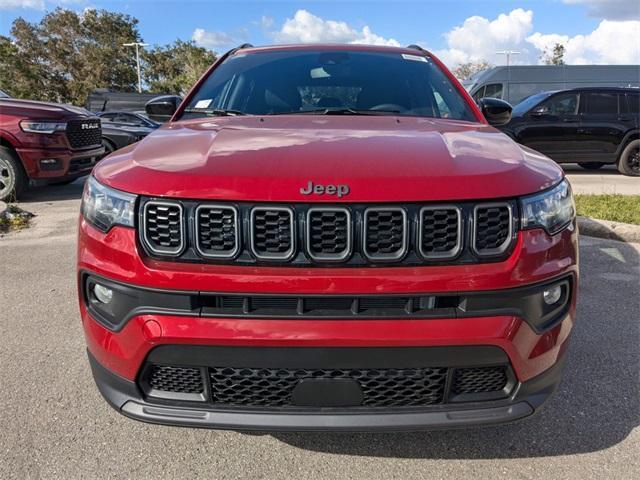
(327, 237)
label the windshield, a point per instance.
(528, 103)
(326, 82)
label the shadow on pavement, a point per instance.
(52, 193)
(596, 406)
(575, 169)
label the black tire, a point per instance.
(591, 165)
(108, 147)
(629, 161)
(13, 179)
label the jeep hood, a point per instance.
(380, 158)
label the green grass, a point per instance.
(616, 208)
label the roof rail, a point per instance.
(413, 46)
(244, 45)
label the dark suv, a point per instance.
(590, 126)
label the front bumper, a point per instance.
(119, 354)
(68, 163)
(527, 398)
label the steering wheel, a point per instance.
(388, 106)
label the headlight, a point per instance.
(42, 127)
(105, 207)
(552, 210)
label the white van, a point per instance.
(517, 82)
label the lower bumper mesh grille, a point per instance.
(274, 387)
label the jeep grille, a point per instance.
(350, 235)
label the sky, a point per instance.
(592, 31)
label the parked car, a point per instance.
(590, 126)
(116, 136)
(128, 119)
(327, 237)
(516, 82)
(120, 129)
(45, 143)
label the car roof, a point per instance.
(412, 49)
(598, 89)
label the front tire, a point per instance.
(591, 165)
(629, 161)
(108, 147)
(13, 179)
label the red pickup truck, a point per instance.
(45, 143)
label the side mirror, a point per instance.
(161, 109)
(539, 112)
(496, 111)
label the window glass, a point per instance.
(600, 103)
(528, 103)
(562, 104)
(493, 90)
(443, 108)
(479, 94)
(298, 81)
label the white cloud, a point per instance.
(15, 4)
(611, 42)
(212, 40)
(610, 9)
(479, 38)
(266, 22)
(305, 27)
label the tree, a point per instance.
(175, 68)
(466, 70)
(556, 57)
(67, 55)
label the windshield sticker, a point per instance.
(415, 58)
(203, 103)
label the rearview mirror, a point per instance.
(496, 111)
(161, 109)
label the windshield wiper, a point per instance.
(339, 111)
(215, 112)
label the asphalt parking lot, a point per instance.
(56, 425)
(605, 180)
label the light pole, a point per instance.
(137, 45)
(508, 54)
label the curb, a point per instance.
(623, 232)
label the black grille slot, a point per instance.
(329, 233)
(274, 303)
(272, 235)
(164, 227)
(269, 387)
(479, 380)
(384, 303)
(336, 304)
(217, 231)
(385, 235)
(492, 228)
(440, 232)
(84, 133)
(176, 379)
